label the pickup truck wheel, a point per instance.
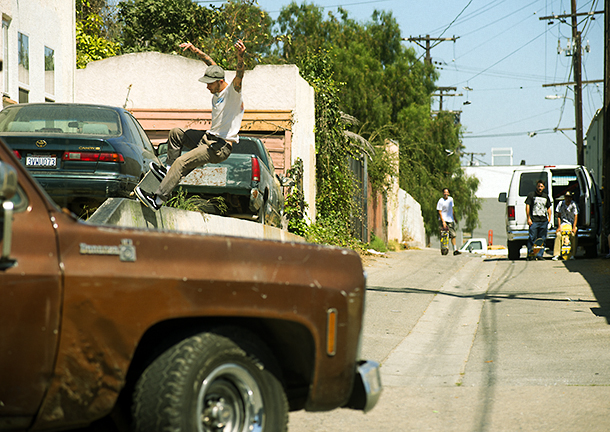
(262, 219)
(209, 383)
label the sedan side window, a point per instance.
(145, 140)
(133, 131)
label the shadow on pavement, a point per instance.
(597, 274)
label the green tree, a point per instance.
(334, 179)
(161, 25)
(92, 42)
(387, 88)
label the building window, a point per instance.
(49, 70)
(5, 56)
(24, 59)
(24, 95)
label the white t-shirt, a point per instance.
(227, 112)
(446, 208)
(568, 213)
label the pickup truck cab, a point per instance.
(480, 246)
(558, 180)
(167, 330)
(246, 181)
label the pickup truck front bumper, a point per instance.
(367, 386)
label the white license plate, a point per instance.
(207, 176)
(41, 161)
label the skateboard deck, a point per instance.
(444, 242)
(149, 183)
(538, 246)
(566, 241)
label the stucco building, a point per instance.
(38, 52)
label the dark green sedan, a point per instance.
(81, 154)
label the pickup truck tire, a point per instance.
(209, 382)
(262, 213)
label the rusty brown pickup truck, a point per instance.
(155, 330)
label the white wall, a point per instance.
(165, 81)
(49, 23)
(411, 219)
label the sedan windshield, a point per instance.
(61, 119)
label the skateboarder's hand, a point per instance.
(187, 45)
(240, 48)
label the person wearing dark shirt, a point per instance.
(538, 210)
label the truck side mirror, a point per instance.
(8, 188)
(502, 197)
(161, 149)
(287, 182)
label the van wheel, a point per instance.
(591, 250)
(209, 382)
(514, 251)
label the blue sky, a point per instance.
(505, 54)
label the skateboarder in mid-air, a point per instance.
(538, 210)
(212, 147)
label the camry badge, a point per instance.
(41, 143)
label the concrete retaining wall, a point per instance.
(411, 220)
(131, 213)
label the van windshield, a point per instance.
(529, 180)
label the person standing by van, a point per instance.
(538, 210)
(567, 214)
(445, 214)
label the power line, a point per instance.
(511, 134)
(504, 58)
(455, 19)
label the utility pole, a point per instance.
(472, 155)
(580, 148)
(441, 94)
(577, 66)
(606, 131)
(427, 46)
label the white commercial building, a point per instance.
(38, 51)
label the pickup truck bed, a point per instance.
(169, 330)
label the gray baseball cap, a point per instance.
(212, 73)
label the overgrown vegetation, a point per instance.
(182, 200)
(361, 69)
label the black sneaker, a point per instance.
(148, 199)
(456, 252)
(158, 170)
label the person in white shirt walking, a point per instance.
(446, 220)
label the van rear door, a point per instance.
(589, 201)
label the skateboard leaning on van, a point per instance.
(444, 242)
(566, 241)
(538, 246)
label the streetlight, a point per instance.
(557, 97)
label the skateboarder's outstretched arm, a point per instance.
(206, 58)
(240, 48)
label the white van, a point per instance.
(558, 180)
